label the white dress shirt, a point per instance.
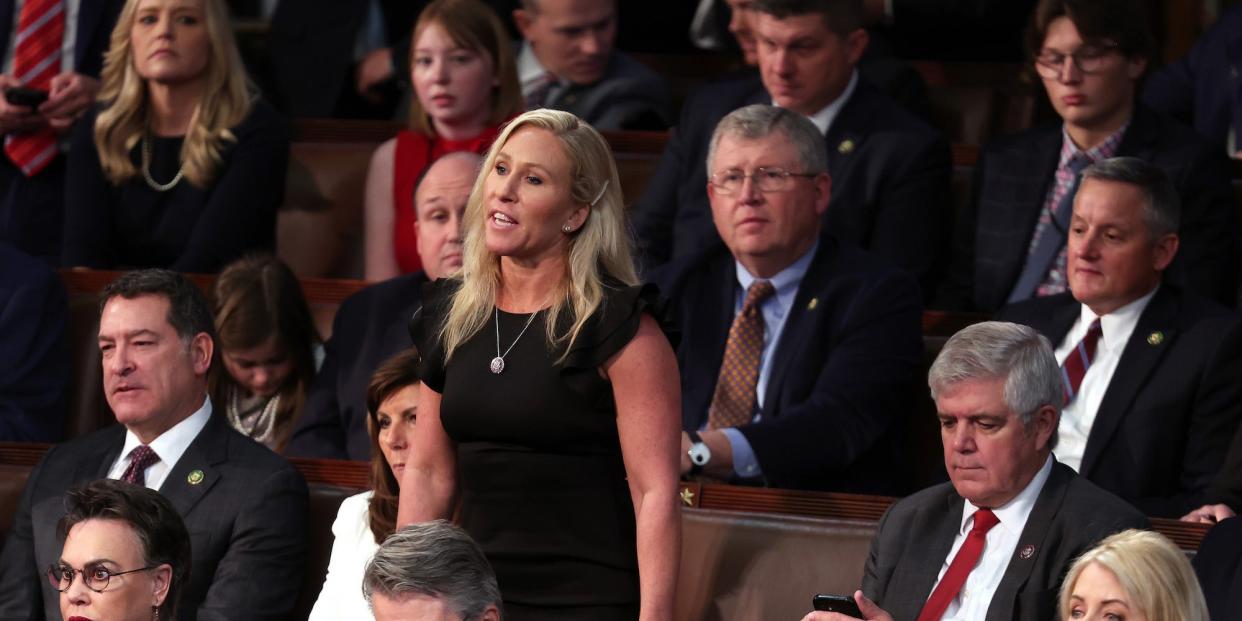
(354, 545)
(973, 600)
(170, 445)
(67, 47)
(1077, 417)
(826, 115)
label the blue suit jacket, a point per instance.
(843, 371)
(1204, 89)
(890, 180)
(34, 356)
(1164, 425)
(1012, 180)
(370, 326)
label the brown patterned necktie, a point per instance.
(141, 458)
(734, 401)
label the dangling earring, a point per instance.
(156, 610)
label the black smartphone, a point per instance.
(21, 96)
(843, 604)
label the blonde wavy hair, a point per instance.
(1154, 573)
(123, 119)
(473, 25)
(599, 248)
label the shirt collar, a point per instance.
(1013, 514)
(1116, 327)
(1102, 151)
(826, 115)
(530, 70)
(171, 444)
(786, 281)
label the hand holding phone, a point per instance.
(843, 604)
(22, 96)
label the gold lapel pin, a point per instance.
(687, 497)
(812, 304)
(846, 147)
(1155, 338)
(195, 477)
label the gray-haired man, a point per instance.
(431, 571)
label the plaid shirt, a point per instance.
(1055, 282)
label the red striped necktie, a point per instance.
(1079, 360)
(36, 60)
(963, 563)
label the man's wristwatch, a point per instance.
(699, 453)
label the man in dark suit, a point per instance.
(1218, 564)
(1152, 390)
(567, 62)
(890, 171)
(1010, 243)
(995, 542)
(1204, 89)
(34, 356)
(244, 506)
(32, 196)
(798, 352)
(373, 324)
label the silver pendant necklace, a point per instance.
(498, 363)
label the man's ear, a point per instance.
(855, 44)
(1165, 250)
(823, 192)
(201, 350)
(1045, 424)
(491, 614)
(523, 19)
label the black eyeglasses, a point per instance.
(766, 179)
(94, 576)
(1088, 59)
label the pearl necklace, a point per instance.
(146, 169)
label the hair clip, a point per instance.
(601, 192)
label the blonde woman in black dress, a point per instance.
(550, 404)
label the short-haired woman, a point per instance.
(1134, 575)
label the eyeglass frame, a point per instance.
(1076, 58)
(73, 572)
(783, 176)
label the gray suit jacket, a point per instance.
(246, 519)
(915, 536)
(629, 96)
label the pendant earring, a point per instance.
(156, 609)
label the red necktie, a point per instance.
(733, 404)
(1079, 360)
(36, 60)
(965, 561)
(141, 458)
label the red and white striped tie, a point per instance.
(36, 60)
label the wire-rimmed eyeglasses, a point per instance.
(1088, 59)
(767, 179)
(94, 576)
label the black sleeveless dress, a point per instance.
(543, 486)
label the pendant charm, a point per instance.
(498, 365)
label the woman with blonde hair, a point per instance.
(268, 347)
(1134, 575)
(180, 165)
(550, 401)
(465, 85)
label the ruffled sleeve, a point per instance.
(425, 330)
(615, 323)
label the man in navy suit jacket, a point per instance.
(1152, 416)
(1008, 246)
(841, 340)
(34, 356)
(373, 324)
(244, 507)
(1204, 89)
(890, 171)
(32, 208)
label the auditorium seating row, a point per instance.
(747, 553)
(319, 228)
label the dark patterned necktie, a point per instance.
(963, 563)
(1079, 360)
(734, 401)
(141, 458)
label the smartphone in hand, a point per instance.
(843, 604)
(22, 96)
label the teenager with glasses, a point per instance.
(1090, 56)
(126, 554)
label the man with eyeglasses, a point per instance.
(798, 352)
(890, 171)
(1010, 244)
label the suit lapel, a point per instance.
(89, 14)
(793, 335)
(7, 16)
(195, 473)
(846, 134)
(1061, 319)
(1031, 544)
(1138, 360)
(706, 339)
(916, 575)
